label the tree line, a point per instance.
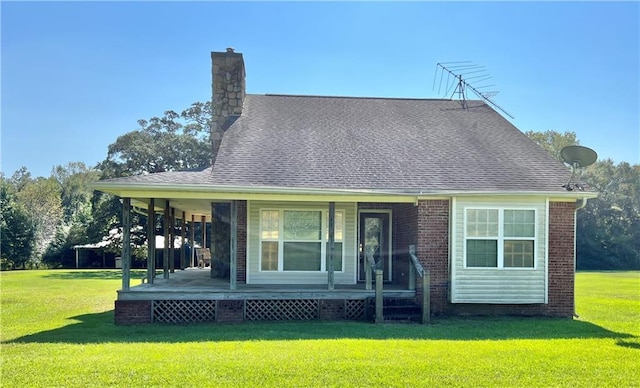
(43, 218)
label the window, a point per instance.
(297, 240)
(500, 238)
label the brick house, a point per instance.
(411, 186)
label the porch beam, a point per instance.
(151, 241)
(126, 243)
(165, 252)
(332, 246)
(233, 245)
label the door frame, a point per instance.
(389, 264)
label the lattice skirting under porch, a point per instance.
(184, 311)
(281, 310)
(192, 311)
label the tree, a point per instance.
(74, 180)
(172, 142)
(168, 143)
(41, 201)
(608, 228)
(16, 229)
(553, 142)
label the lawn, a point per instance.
(57, 330)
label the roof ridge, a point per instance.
(355, 97)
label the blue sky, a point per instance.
(76, 75)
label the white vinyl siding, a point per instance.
(268, 240)
(511, 279)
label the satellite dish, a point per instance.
(577, 157)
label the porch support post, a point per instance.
(379, 299)
(126, 243)
(151, 241)
(332, 245)
(183, 225)
(233, 245)
(193, 239)
(78, 258)
(172, 240)
(203, 220)
(212, 238)
(165, 252)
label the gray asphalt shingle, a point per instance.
(374, 143)
(380, 143)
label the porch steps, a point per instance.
(401, 310)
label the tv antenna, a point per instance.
(577, 157)
(462, 76)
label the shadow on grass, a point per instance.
(629, 344)
(99, 328)
(105, 274)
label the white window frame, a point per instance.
(324, 240)
(501, 238)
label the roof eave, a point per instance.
(127, 189)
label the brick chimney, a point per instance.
(228, 91)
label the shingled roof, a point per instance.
(399, 145)
(380, 143)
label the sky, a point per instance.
(76, 75)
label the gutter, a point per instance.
(418, 194)
(581, 203)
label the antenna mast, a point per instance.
(461, 76)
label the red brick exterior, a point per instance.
(561, 259)
(132, 312)
(332, 309)
(230, 311)
(432, 249)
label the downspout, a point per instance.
(580, 204)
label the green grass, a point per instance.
(57, 330)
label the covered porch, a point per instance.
(350, 281)
(191, 295)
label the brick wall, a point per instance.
(433, 249)
(131, 312)
(230, 311)
(561, 259)
(332, 309)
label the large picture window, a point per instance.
(500, 238)
(297, 240)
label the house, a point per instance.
(447, 205)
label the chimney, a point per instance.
(228, 90)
